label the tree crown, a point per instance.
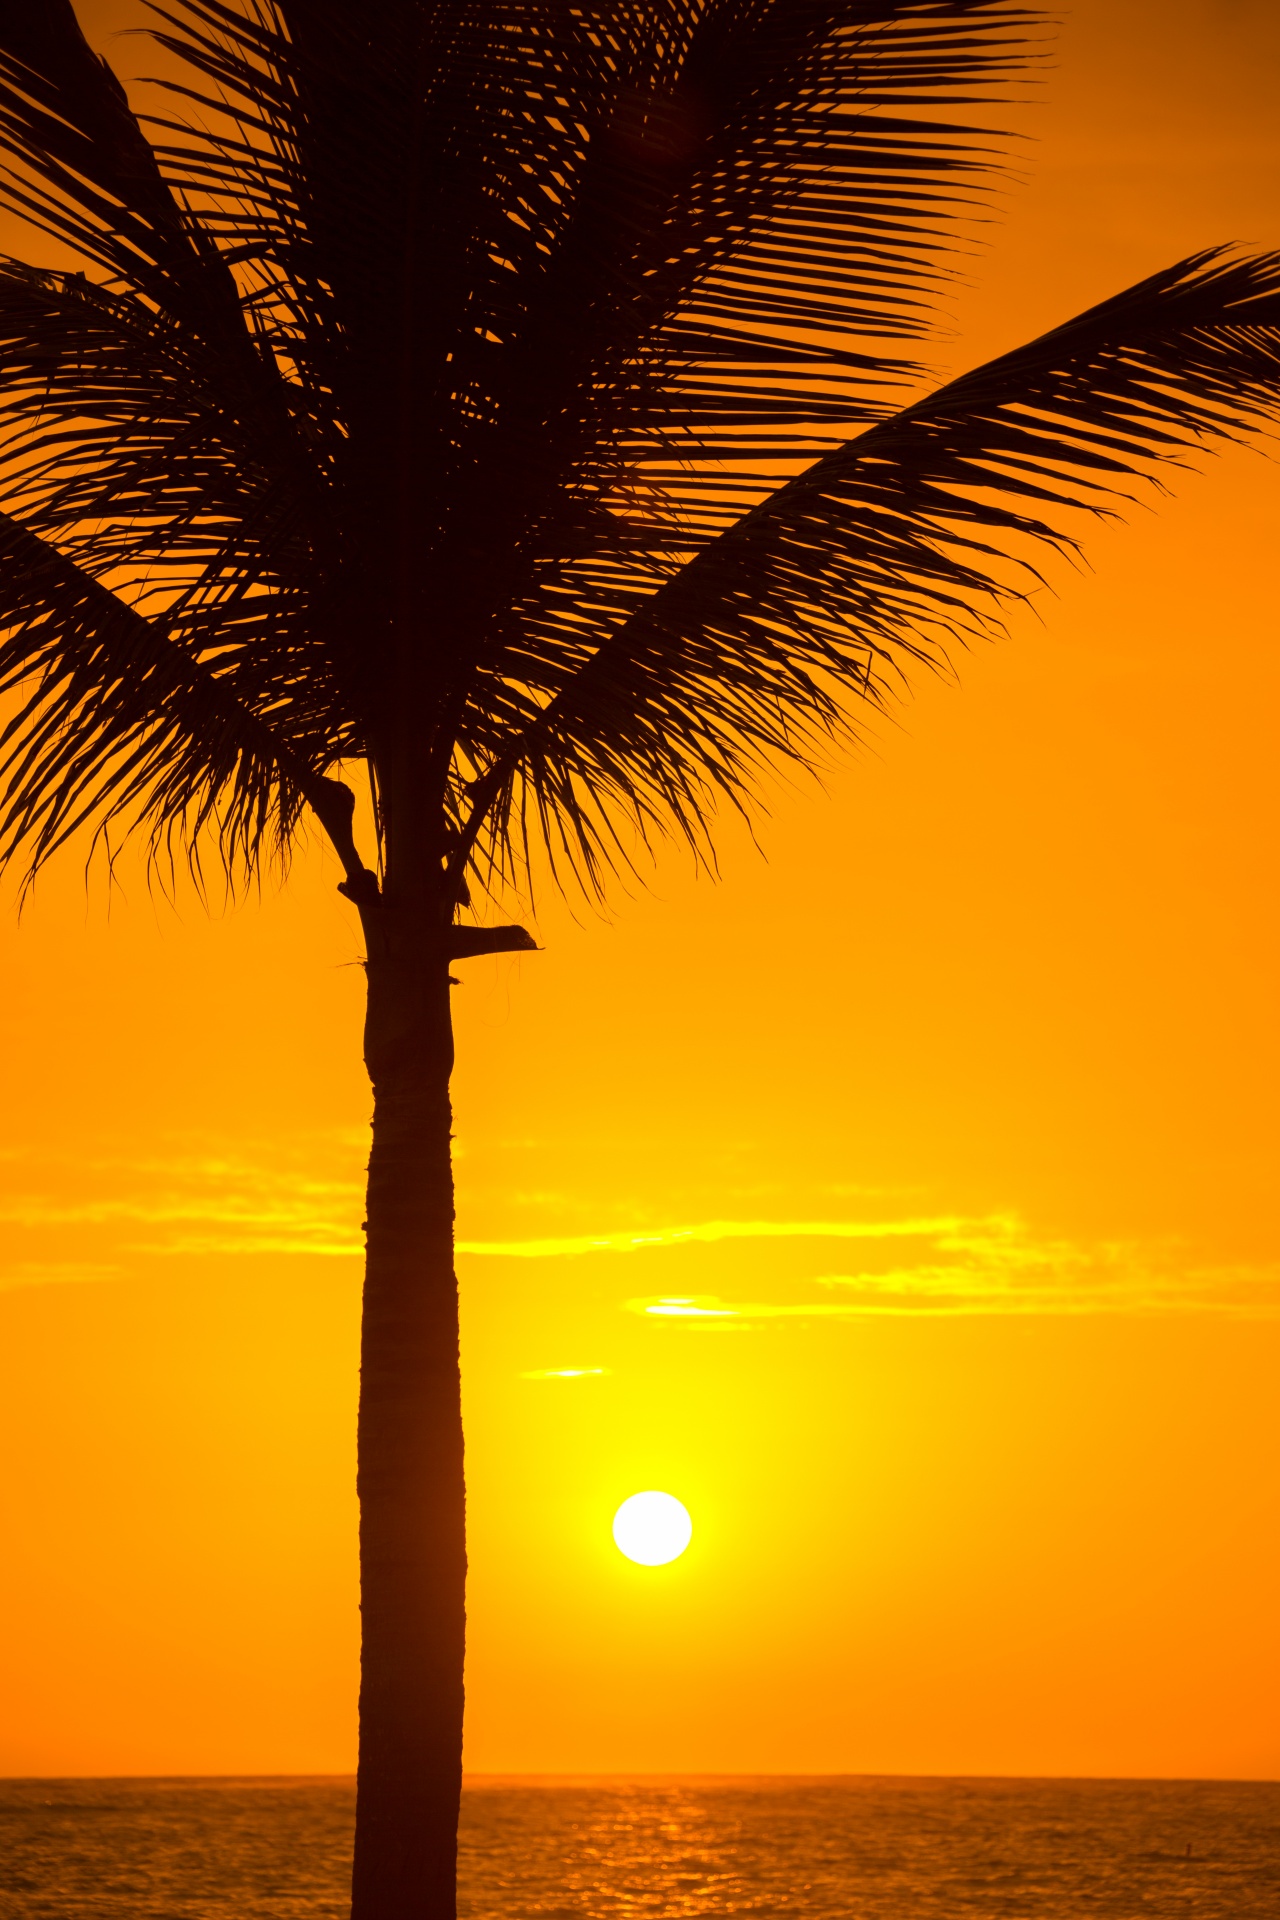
(508, 397)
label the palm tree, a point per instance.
(502, 404)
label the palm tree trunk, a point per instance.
(410, 1476)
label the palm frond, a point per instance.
(115, 719)
(508, 395)
(910, 539)
(409, 317)
(587, 250)
(82, 170)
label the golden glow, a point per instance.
(952, 1125)
(652, 1529)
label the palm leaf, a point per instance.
(882, 555)
(439, 312)
(588, 251)
(116, 719)
(504, 394)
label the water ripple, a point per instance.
(661, 1849)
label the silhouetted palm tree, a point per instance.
(503, 399)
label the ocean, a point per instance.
(857, 1848)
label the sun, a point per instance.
(652, 1528)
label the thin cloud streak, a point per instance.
(566, 1373)
(198, 1246)
(93, 1213)
(989, 1265)
(215, 1205)
(1001, 1273)
(46, 1273)
(188, 1205)
(712, 1230)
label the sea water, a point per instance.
(857, 1848)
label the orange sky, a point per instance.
(992, 1487)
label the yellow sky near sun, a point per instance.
(904, 1204)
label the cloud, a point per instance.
(192, 1204)
(200, 1246)
(997, 1266)
(702, 1306)
(566, 1373)
(89, 1218)
(43, 1273)
(709, 1230)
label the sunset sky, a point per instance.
(949, 1126)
